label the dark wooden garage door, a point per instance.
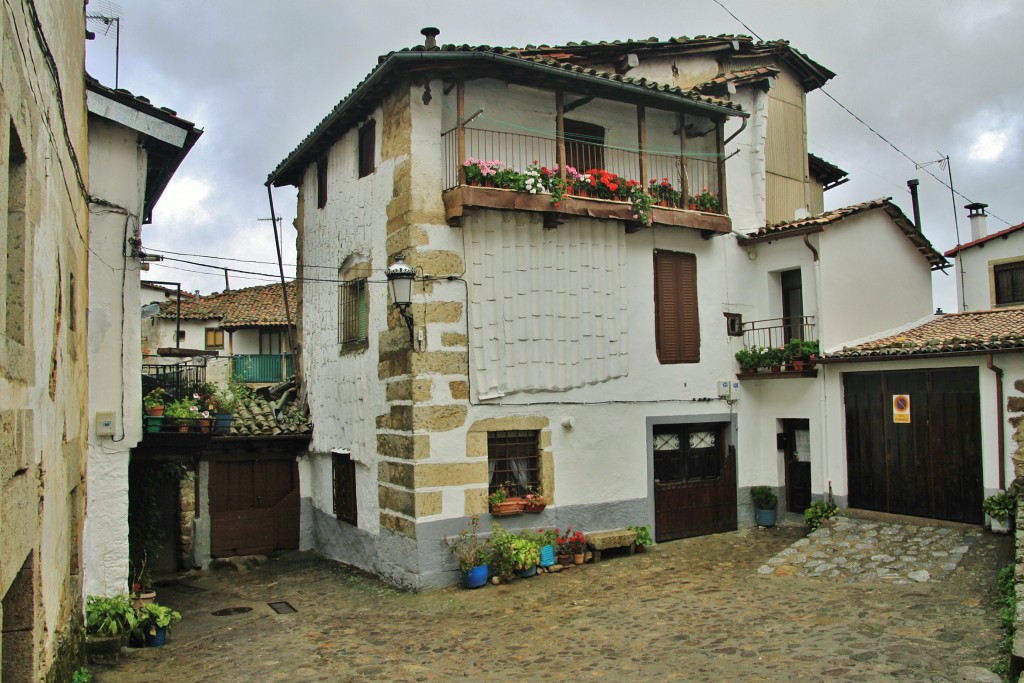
(927, 467)
(694, 481)
(254, 507)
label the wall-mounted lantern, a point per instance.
(400, 276)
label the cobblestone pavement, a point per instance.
(691, 610)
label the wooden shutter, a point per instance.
(677, 326)
(367, 148)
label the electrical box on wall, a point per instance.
(105, 424)
(728, 388)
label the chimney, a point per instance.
(431, 34)
(979, 227)
(912, 184)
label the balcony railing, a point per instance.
(690, 174)
(774, 332)
(262, 368)
(176, 380)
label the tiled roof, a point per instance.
(168, 291)
(260, 306)
(718, 83)
(981, 240)
(829, 175)
(972, 332)
(352, 107)
(818, 223)
(256, 418)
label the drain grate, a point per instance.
(282, 607)
(185, 588)
(229, 611)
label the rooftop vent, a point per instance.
(431, 34)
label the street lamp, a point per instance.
(400, 276)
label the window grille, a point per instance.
(352, 315)
(513, 459)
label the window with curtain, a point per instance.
(214, 338)
(676, 320)
(513, 459)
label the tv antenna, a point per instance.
(109, 19)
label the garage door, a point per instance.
(254, 507)
(913, 442)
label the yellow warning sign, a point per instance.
(901, 408)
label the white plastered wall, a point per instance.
(977, 263)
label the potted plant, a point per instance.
(819, 511)
(547, 540)
(708, 202)
(155, 622)
(773, 358)
(750, 359)
(535, 501)
(643, 537)
(502, 505)
(109, 616)
(472, 554)
(153, 402)
(765, 503)
(573, 543)
(224, 405)
(180, 412)
(1000, 508)
(513, 553)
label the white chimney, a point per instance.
(979, 227)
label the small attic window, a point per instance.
(321, 182)
(367, 148)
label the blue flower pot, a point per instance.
(222, 423)
(476, 577)
(156, 639)
(547, 555)
(764, 517)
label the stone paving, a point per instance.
(690, 610)
(853, 550)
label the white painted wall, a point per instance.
(975, 282)
(118, 175)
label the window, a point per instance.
(367, 148)
(321, 182)
(352, 311)
(677, 325)
(1009, 283)
(17, 236)
(214, 338)
(513, 458)
(270, 343)
(584, 145)
(181, 335)
(792, 305)
(344, 475)
(687, 452)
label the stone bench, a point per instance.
(615, 538)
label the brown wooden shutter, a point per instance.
(677, 326)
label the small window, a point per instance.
(1009, 283)
(344, 476)
(687, 452)
(513, 459)
(181, 335)
(676, 319)
(321, 182)
(367, 148)
(214, 338)
(270, 343)
(352, 314)
(584, 145)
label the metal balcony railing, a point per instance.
(688, 174)
(774, 332)
(260, 368)
(176, 380)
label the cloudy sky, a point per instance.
(933, 78)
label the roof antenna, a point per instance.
(431, 34)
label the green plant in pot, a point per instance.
(1001, 508)
(513, 553)
(643, 537)
(109, 616)
(819, 511)
(472, 553)
(155, 622)
(765, 504)
(750, 359)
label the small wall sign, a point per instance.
(901, 408)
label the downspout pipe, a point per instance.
(1000, 426)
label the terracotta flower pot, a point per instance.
(578, 558)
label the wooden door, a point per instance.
(796, 434)
(694, 481)
(925, 464)
(254, 506)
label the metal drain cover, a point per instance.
(229, 611)
(282, 607)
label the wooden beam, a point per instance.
(576, 104)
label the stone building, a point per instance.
(571, 343)
(44, 232)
